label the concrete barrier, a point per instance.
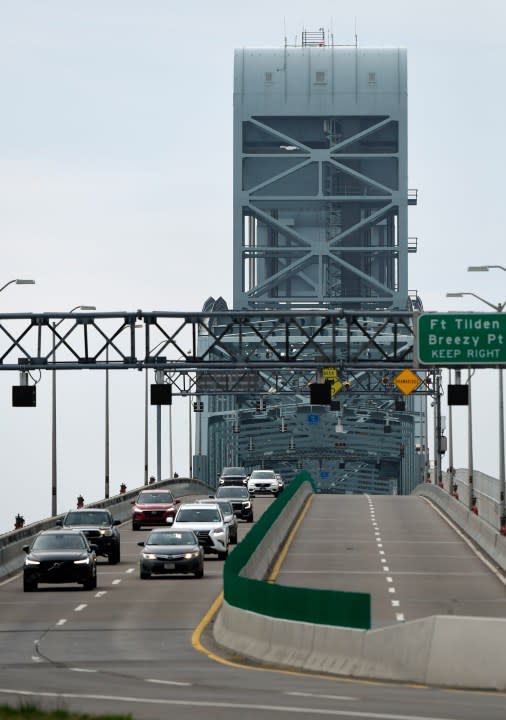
(427, 651)
(478, 529)
(11, 543)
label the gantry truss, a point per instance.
(231, 340)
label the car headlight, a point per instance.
(84, 561)
(246, 505)
(190, 555)
(31, 562)
(218, 531)
(149, 556)
(106, 532)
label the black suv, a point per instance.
(232, 476)
(240, 500)
(59, 556)
(99, 527)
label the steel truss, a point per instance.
(240, 340)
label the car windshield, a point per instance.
(154, 497)
(88, 518)
(172, 538)
(198, 515)
(58, 542)
(233, 471)
(263, 474)
(234, 492)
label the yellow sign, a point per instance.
(329, 373)
(335, 387)
(407, 381)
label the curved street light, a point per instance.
(17, 281)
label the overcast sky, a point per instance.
(116, 191)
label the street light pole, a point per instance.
(498, 308)
(54, 470)
(106, 440)
(146, 428)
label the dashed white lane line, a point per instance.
(386, 568)
(130, 570)
(80, 607)
(390, 579)
(395, 603)
(61, 622)
(101, 593)
(391, 590)
(117, 581)
(83, 670)
(317, 695)
(168, 682)
(399, 617)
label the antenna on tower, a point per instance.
(284, 30)
(356, 36)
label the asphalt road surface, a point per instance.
(144, 647)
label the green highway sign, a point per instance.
(468, 339)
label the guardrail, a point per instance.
(11, 543)
(485, 489)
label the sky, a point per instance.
(116, 191)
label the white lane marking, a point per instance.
(116, 582)
(382, 552)
(390, 579)
(80, 607)
(86, 670)
(168, 682)
(387, 569)
(61, 622)
(380, 545)
(399, 617)
(36, 658)
(383, 560)
(130, 570)
(391, 590)
(205, 704)
(325, 697)
(395, 603)
(101, 593)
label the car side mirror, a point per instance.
(117, 522)
(94, 547)
(177, 501)
(59, 523)
(132, 502)
(141, 543)
(26, 548)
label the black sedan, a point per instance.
(166, 552)
(60, 556)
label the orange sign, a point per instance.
(407, 381)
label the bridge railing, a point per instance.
(485, 489)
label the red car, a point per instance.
(153, 507)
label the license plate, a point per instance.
(169, 566)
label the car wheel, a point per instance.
(29, 585)
(114, 556)
(144, 575)
(200, 573)
(91, 583)
(233, 539)
(222, 555)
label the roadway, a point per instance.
(399, 549)
(131, 647)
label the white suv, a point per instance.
(208, 524)
(263, 481)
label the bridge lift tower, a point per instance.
(320, 222)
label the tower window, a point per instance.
(320, 76)
(268, 77)
(372, 78)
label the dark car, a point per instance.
(100, 528)
(153, 507)
(240, 500)
(60, 556)
(171, 551)
(232, 476)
